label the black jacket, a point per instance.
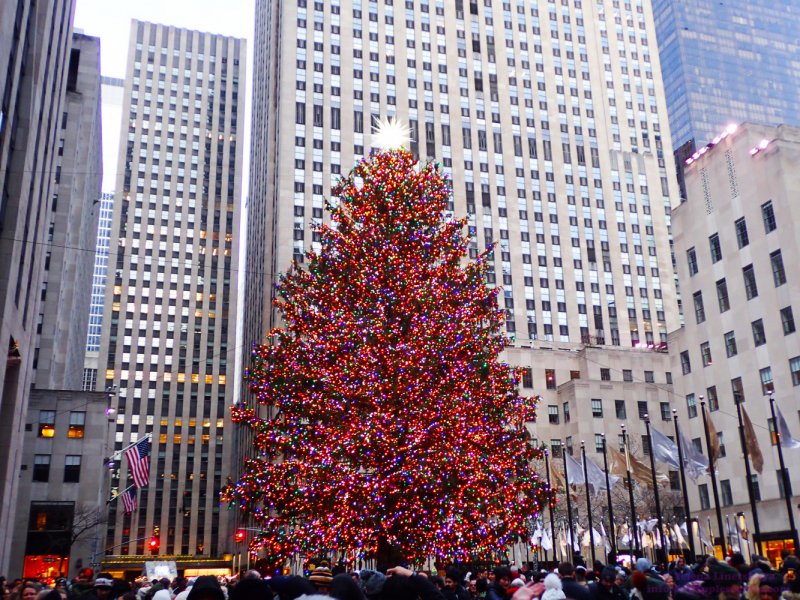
(574, 590)
(495, 591)
(600, 592)
(460, 593)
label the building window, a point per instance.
(699, 311)
(666, 413)
(794, 367)
(703, 490)
(767, 386)
(705, 353)
(691, 258)
(730, 344)
(727, 496)
(669, 378)
(555, 448)
(778, 272)
(722, 296)
(759, 337)
(550, 378)
(781, 489)
(716, 249)
(574, 374)
(738, 389)
(527, 378)
(47, 423)
(674, 480)
(566, 412)
(646, 445)
(787, 319)
(568, 442)
(691, 406)
(686, 364)
(713, 400)
(552, 412)
(89, 380)
(72, 469)
(598, 442)
(627, 375)
(721, 438)
(756, 489)
(619, 405)
(642, 407)
(750, 286)
(698, 445)
(597, 409)
(41, 467)
(769, 217)
(605, 374)
(649, 377)
(77, 423)
(741, 233)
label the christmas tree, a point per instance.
(392, 423)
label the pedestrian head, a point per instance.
(643, 565)
(321, 578)
(566, 569)
(502, 575)
(608, 577)
(453, 579)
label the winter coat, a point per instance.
(495, 591)
(574, 590)
(460, 593)
(600, 592)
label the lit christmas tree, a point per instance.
(393, 426)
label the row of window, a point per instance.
(47, 423)
(72, 468)
(605, 375)
(619, 410)
(727, 493)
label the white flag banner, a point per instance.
(597, 477)
(664, 449)
(694, 463)
(547, 541)
(787, 441)
(605, 538)
(574, 471)
(537, 535)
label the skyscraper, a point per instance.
(168, 322)
(66, 293)
(35, 41)
(551, 119)
(727, 62)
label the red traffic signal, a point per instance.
(240, 536)
(154, 543)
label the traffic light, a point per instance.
(153, 545)
(240, 536)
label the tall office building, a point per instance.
(67, 289)
(551, 119)
(727, 62)
(735, 244)
(168, 322)
(35, 42)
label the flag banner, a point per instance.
(753, 449)
(664, 449)
(704, 539)
(714, 451)
(597, 477)
(537, 536)
(557, 477)
(547, 540)
(574, 471)
(138, 457)
(639, 471)
(605, 538)
(787, 441)
(129, 501)
(694, 463)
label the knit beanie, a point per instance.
(639, 580)
(321, 576)
(371, 582)
(553, 591)
(643, 565)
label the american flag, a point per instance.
(129, 501)
(138, 457)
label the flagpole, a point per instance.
(588, 498)
(119, 494)
(608, 495)
(570, 541)
(655, 487)
(683, 485)
(129, 446)
(711, 470)
(784, 473)
(630, 493)
(749, 474)
(552, 518)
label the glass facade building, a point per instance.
(727, 62)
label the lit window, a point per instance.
(47, 421)
(199, 296)
(195, 378)
(222, 379)
(209, 379)
(77, 423)
(110, 374)
(176, 439)
(167, 376)
(162, 438)
(181, 377)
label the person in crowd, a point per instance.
(606, 588)
(206, 587)
(553, 588)
(344, 587)
(454, 585)
(498, 589)
(580, 575)
(321, 577)
(572, 589)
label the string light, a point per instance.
(393, 424)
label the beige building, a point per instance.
(35, 39)
(63, 317)
(551, 120)
(736, 242)
(168, 335)
(60, 518)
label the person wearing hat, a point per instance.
(607, 588)
(206, 587)
(321, 577)
(454, 585)
(371, 582)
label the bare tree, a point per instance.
(80, 526)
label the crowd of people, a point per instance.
(707, 579)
